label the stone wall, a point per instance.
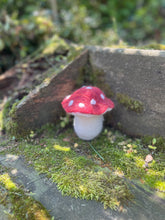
(43, 104)
(137, 79)
(133, 79)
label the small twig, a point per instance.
(96, 152)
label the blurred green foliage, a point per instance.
(135, 22)
(25, 25)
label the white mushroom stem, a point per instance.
(88, 127)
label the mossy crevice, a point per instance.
(130, 103)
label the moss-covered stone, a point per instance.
(130, 103)
(20, 204)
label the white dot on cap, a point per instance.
(81, 105)
(88, 87)
(102, 96)
(70, 103)
(93, 102)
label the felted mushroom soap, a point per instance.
(88, 105)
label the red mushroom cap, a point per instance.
(87, 100)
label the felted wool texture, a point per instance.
(88, 128)
(87, 100)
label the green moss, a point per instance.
(6, 108)
(18, 203)
(130, 103)
(160, 142)
(79, 172)
(85, 184)
(55, 45)
(10, 126)
(7, 182)
(74, 51)
(154, 180)
(154, 46)
(74, 174)
(13, 109)
(4, 114)
(60, 46)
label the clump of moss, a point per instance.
(74, 174)
(6, 181)
(4, 114)
(154, 46)
(130, 103)
(79, 172)
(9, 110)
(86, 181)
(8, 123)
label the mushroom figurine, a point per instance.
(87, 104)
